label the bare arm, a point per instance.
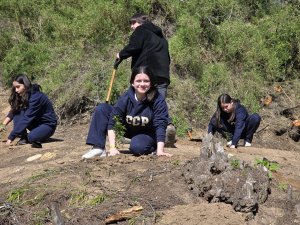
(160, 149)
(5, 122)
(112, 143)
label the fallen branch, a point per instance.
(123, 215)
(262, 129)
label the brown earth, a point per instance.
(87, 192)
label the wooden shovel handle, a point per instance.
(110, 85)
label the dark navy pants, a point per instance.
(140, 144)
(252, 123)
(38, 132)
(162, 89)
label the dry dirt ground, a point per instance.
(88, 192)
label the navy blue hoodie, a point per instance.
(39, 111)
(237, 126)
(141, 116)
(148, 47)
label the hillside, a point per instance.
(88, 192)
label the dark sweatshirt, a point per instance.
(39, 111)
(141, 116)
(148, 47)
(236, 127)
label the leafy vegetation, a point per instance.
(270, 166)
(235, 163)
(233, 46)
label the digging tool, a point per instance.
(116, 64)
(189, 132)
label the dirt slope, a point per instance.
(87, 192)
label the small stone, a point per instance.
(34, 157)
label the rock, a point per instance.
(34, 157)
(210, 176)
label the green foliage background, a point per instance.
(233, 46)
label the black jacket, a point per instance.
(148, 47)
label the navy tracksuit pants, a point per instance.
(140, 144)
(252, 123)
(38, 132)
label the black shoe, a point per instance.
(36, 144)
(22, 141)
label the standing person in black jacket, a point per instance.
(148, 47)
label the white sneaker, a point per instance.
(94, 152)
(247, 144)
(229, 143)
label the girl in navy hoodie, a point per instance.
(143, 112)
(30, 110)
(232, 118)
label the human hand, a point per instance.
(163, 154)
(117, 63)
(8, 142)
(2, 127)
(232, 146)
(113, 151)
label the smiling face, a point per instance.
(227, 107)
(19, 88)
(141, 84)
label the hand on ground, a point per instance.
(113, 152)
(163, 154)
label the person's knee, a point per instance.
(138, 147)
(102, 108)
(256, 118)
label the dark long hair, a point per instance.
(225, 98)
(140, 18)
(18, 102)
(144, 69)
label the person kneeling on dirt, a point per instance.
(232, 120)
(142, 111)
(30, 110)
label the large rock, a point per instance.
(216, 178)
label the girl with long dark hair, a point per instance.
(30, 110)
(232, 120)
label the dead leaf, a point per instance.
(47, 156)
(267, 100)
(296, 123)
(278, 89)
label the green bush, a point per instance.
(223, 46)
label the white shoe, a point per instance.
(229, 143)
(247, 144)
(94, 152)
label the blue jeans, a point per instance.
(162, 89)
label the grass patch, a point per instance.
(45, 174)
